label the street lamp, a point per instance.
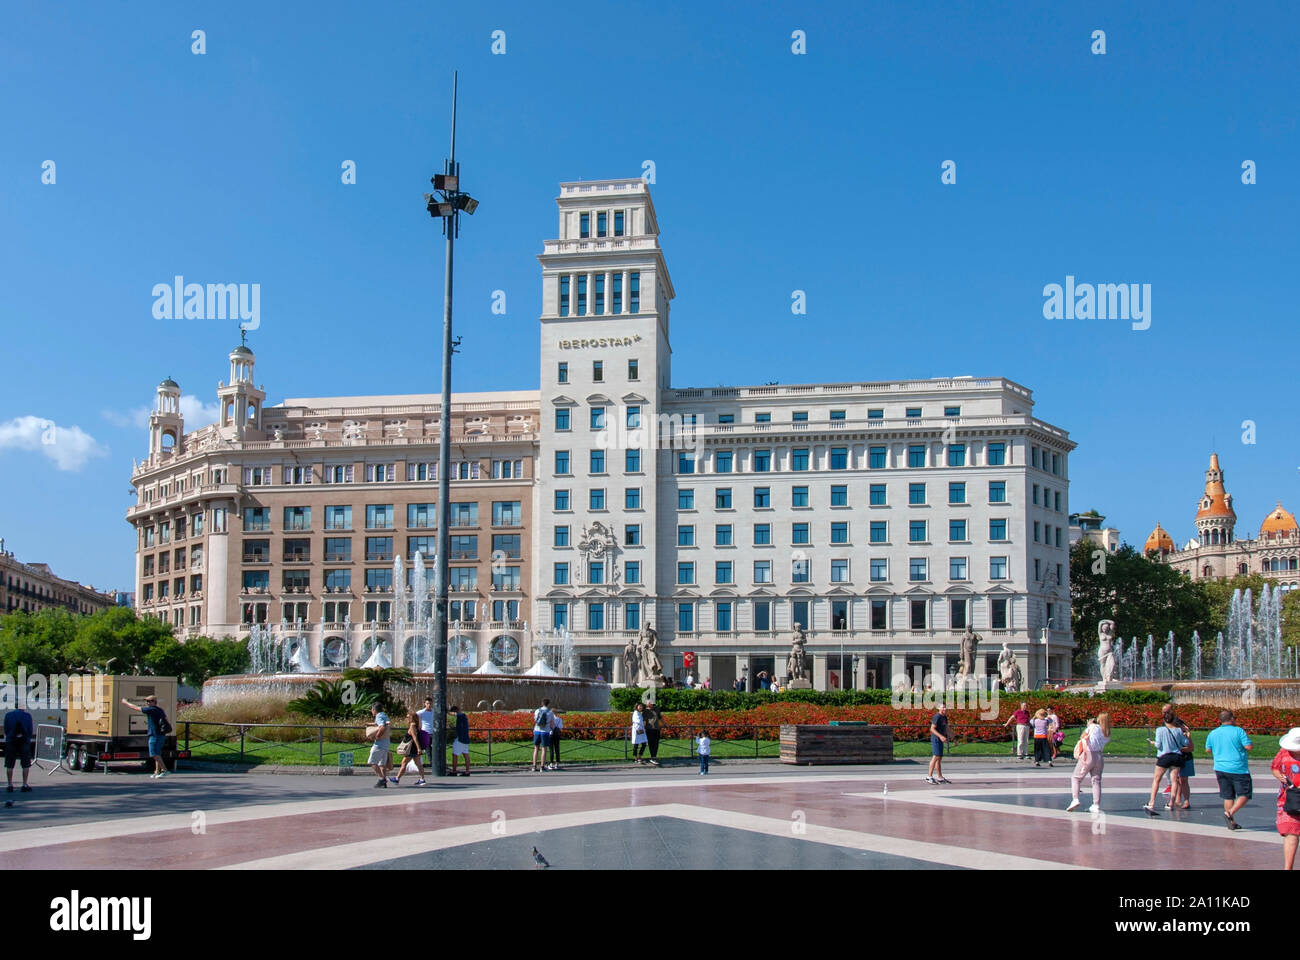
(1046, 657)
(445, 204)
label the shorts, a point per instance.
(936, 746)
(1166, 760)
(426, 740)
(460, 749)
(156, 745)
(541, 738)
(16, 752)
(379, 754)
(1234, 785)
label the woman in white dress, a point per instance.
(638, 733)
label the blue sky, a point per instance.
(774, 172)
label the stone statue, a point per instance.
(1106, 650)
(970, 641)
(796, 667)
(632, 662)
(1009, 670)
(652, 670)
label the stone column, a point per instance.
(860, 674)
(819, 679)
(897, 668)
(616, 669)
(936, 669)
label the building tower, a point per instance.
(241, 402)
(166, 426)
(604, 360)
(1215, 518)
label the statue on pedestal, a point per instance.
(970, 641)
(796, 666)
(631, 662)
(1106, 650)
(652, 670)
(1009, 670)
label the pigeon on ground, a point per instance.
(539, 859)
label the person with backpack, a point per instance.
(653, 724)
(159, 727)
(20, 739)
(557, 726)
(541, 735)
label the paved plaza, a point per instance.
(995, 814)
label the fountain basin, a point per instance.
(1282, 693)
(465, 690)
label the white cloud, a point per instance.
(68, 447)
(196, 413)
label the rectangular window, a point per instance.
(598, 371)
(726, 418)
(997, 568)
(582, 294)
(376, 579)
(561, 463)
(799, 458)
(561, 574)
(632, 574)
(799, 611)
(584, 225)
(1034, 451)
(379, 516)
(1056, 465)
(918, 617)
(722, 498)
(762, 418)
(957, 613)
(685, 462)
(632, 498)
(560, 616)
(722, 462)
(597, 499)
(507, 545)
(634, 292)
(799, 416)
(722, 535)
(562, 500)
(632, 535)
(618, 223)
(595, 616)
(564, 304)
(685, 535)
(562, 373)
(1038, 529)
(762, 496)
(685, 618)
(879, 610)
(956, 493)
(917, 568)
(839, 533)
(839, 571)
(762, 616)
(464, 579)
(1056, 497)
(562, 535)
(378, 549)
(633, 371)
(799, 570)
(338, 518)
(916, 493)
(839, 495)
(952, 411)
(799, 497)
(507, 513)
(339, 550)
(762, 571)
(997, 455)
(598, 461)
(762, 461)
(957, 531)
(633, 418)
(879, 531)
(877, 495)
(685, 499)
(916, 531)
(997, 491)
(799, 533)
(425, 546)
(685, 573)
(463, 547)
(837, 414)
(722, 571)
(598, 418)
(916, 455)
(255, 518)
(913, 413)
(879, 569)
(875, 413)
(998, 529)
(1058, 536)
(956, 454)
(762, 534)
(297, 518)
(876, 458)
(956, 568)
(602, 223)
(839, 458)
(998, 613)
(595, 571)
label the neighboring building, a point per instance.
(296, 512)
(34, 586)
(1092, 525)
(884, 517)
(124, 598)
(1217, 552)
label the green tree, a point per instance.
(115, 641)
(1291, 618)
(36, 641)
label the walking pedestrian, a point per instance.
(557, 726)
(653, 720)
(1040, 724)
(1180, 798)
(426, 728)
(1170, 756)
(1088, 753)
(541, 735)
(938, 740)
(638, 733)
(460, 746)
(1230, 747)
(1021, 719)
(158, 730)
(20, 743)
(1286, 768)
(409, 748)
(1055, 731)
(379, 732)
(706, 745)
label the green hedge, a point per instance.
(627, 698)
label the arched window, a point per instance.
(1205, 570)
(1243, 568)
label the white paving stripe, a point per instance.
(961, 800)
(368, 852)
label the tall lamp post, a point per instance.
(445, 204)
(1047, 669)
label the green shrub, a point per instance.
(333, 700)
(626, 698)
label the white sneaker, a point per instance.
(1095, 808)
(1074, 805)
(161, 774)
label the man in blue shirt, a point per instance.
(158, 725)
(20, 741)
(1229, 746)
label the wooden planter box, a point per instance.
(815, 744)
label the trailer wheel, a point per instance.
(74, 756)
(85, 759)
